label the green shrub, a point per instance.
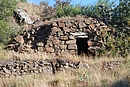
(6, 8)
(118, 40)
(44, 2)
(120, 43)
(23, 0)
(117, 44)
(7, 33)
(4, 29)
(89, 10)
(121, 13)
(67, 10)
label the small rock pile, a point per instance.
(19, 67)
(58, 36)
(111, 65)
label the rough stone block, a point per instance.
(40, 49)
(55, 29)
(60, 33)
(62, 42)
(91, 26)
(72, 46)
(49, 44)
(82, 24)
(71, 37)
(63, 37)
(90, 43)
(62, 47)
(71, 42)
(49, 49)
(66, 29)
(54, 24)
(102, 24)
(40, 44)
(88, 21)
(61, 25)
(19, 39)
(73, 52)
(55, 42)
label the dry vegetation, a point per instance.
(93, 77)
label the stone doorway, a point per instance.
(82, 45)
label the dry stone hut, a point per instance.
(75, 35)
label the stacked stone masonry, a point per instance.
(17, 67)
(54, 36)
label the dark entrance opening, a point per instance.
(82, 45)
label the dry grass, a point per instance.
(93, 77)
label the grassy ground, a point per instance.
(93, 77)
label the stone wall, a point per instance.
(17, 67)
(59, 36)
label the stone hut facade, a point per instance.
(74, 35)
